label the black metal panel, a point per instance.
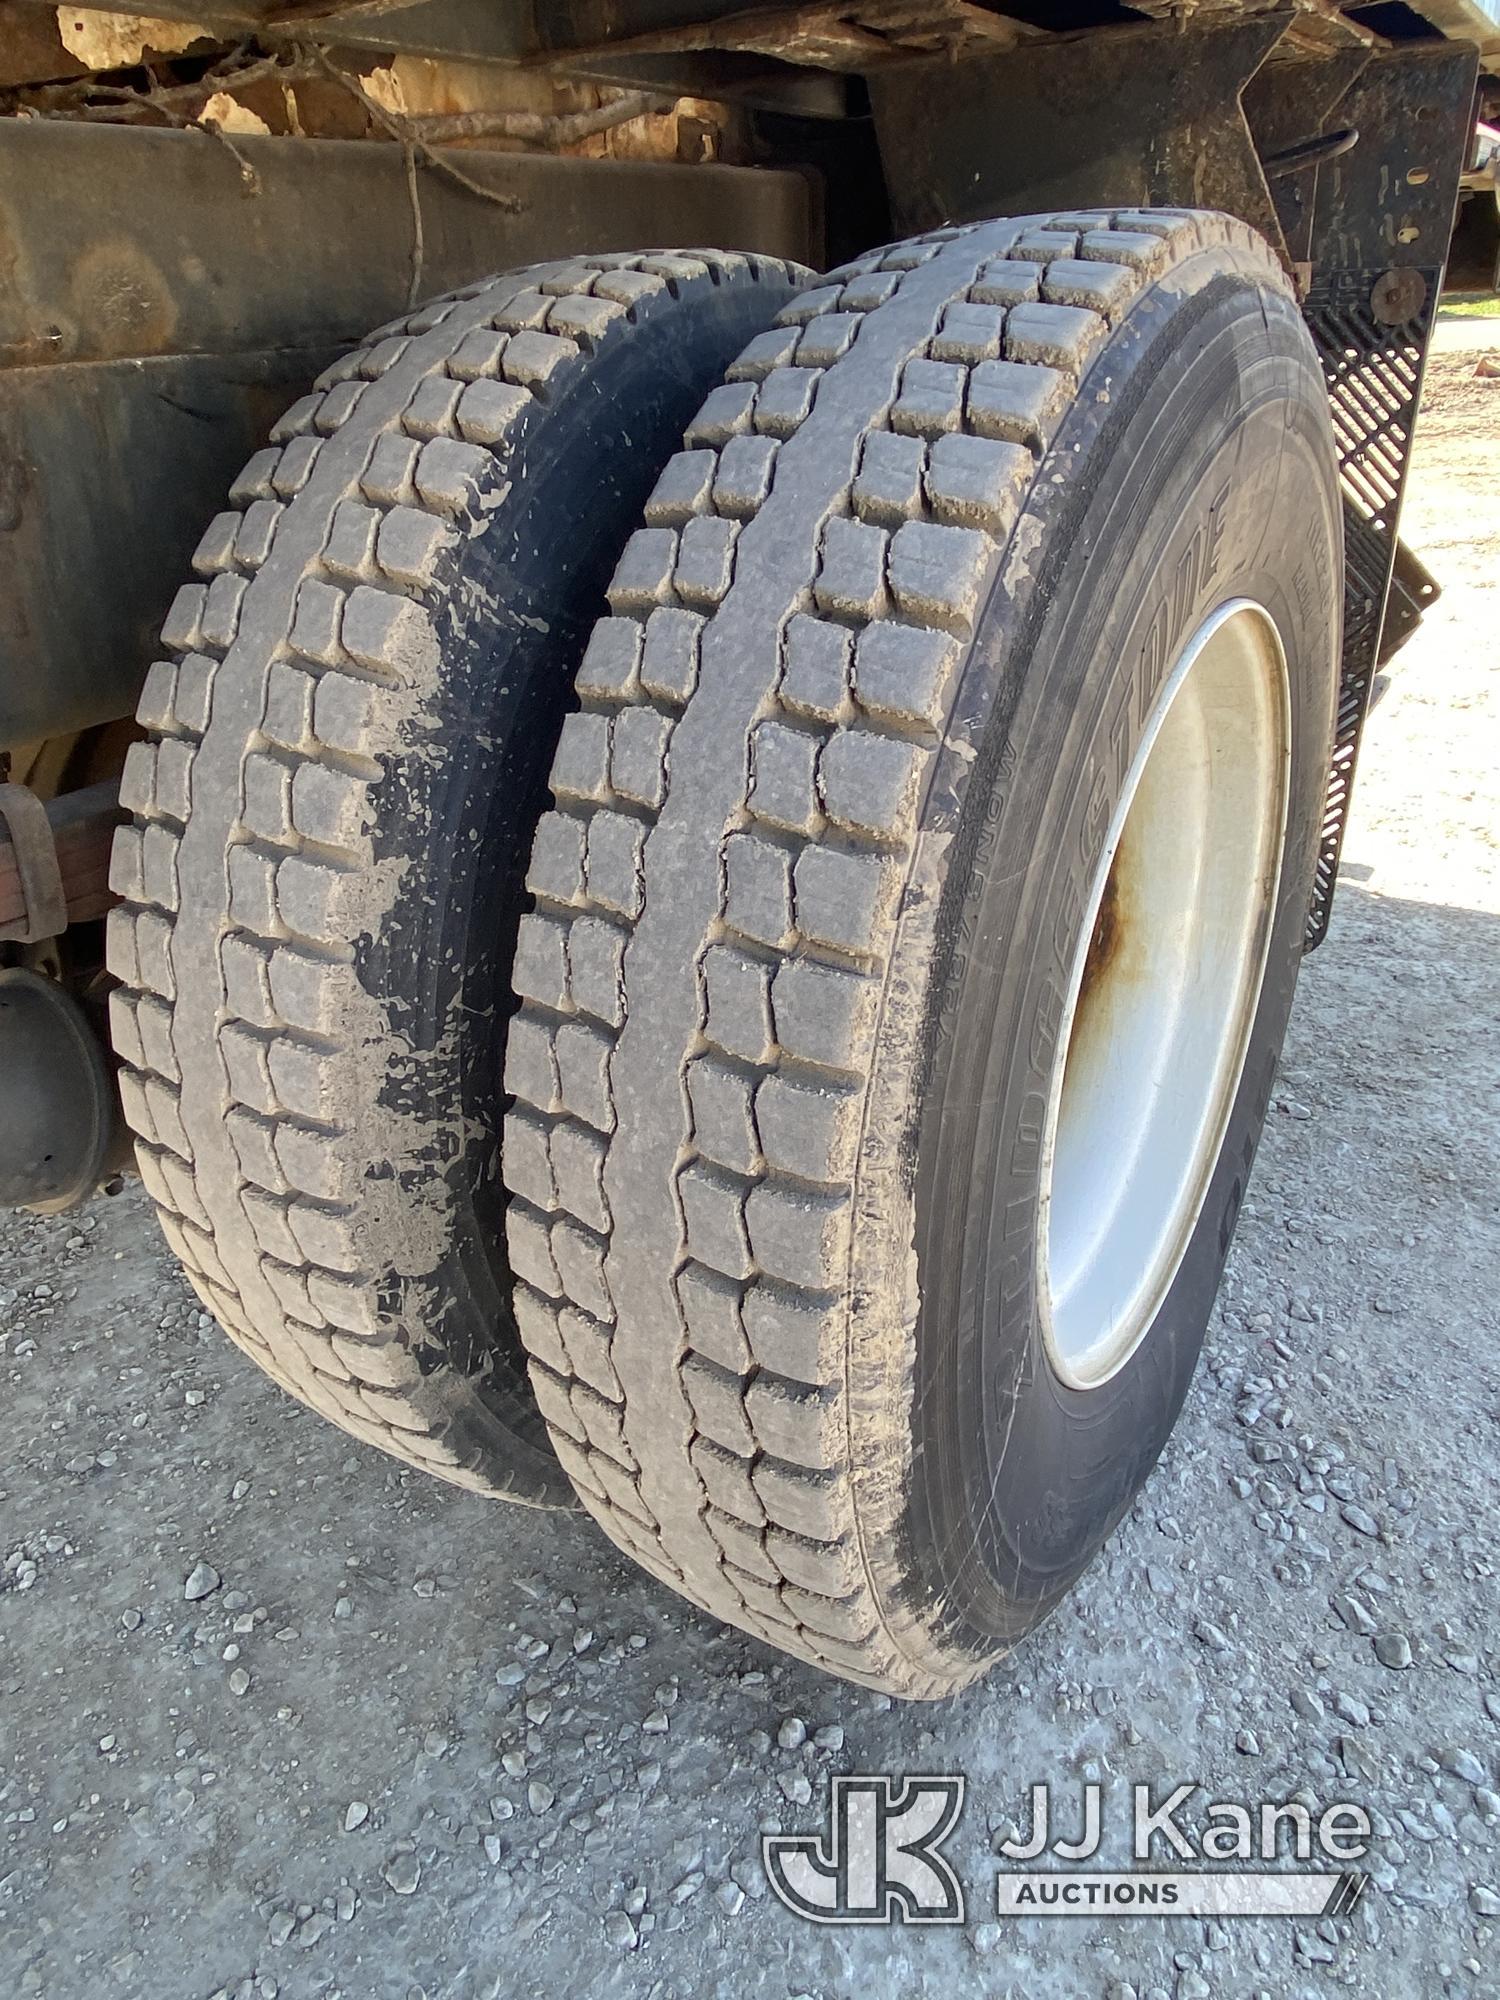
(1389, 201)
(1371, 229)
(1374, 376)
(1137, 116)
(155, 319)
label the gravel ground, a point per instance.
(281, 1718)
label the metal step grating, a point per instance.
(1374, 376)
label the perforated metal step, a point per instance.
(1374, 375)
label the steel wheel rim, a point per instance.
(1163, 993)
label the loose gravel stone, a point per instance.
(1464, 1764)
(1353, 1613)
(620, 1931)
(1392, 1649)
(403, 1872)
(202, 1581)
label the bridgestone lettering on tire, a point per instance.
(851, 742)
(345, 760)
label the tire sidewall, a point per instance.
(1195, 468)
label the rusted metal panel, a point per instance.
(30, 45)
(500, 33)
(155, 319)
(855, 35)
(116, 241)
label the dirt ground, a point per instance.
(414, 1745)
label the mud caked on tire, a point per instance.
(346, 756)
(987, 620)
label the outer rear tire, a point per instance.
(789, 1344)
(345, 762)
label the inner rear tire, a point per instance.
(345, 760)
(795, 1355)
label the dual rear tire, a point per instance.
(902, 965)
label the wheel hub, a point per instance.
(1164, 990)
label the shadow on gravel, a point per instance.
(413, 1744)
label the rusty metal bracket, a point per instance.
(44, 899)
(82, 826)
(1414, 590)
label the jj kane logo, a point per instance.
(881, 1861)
